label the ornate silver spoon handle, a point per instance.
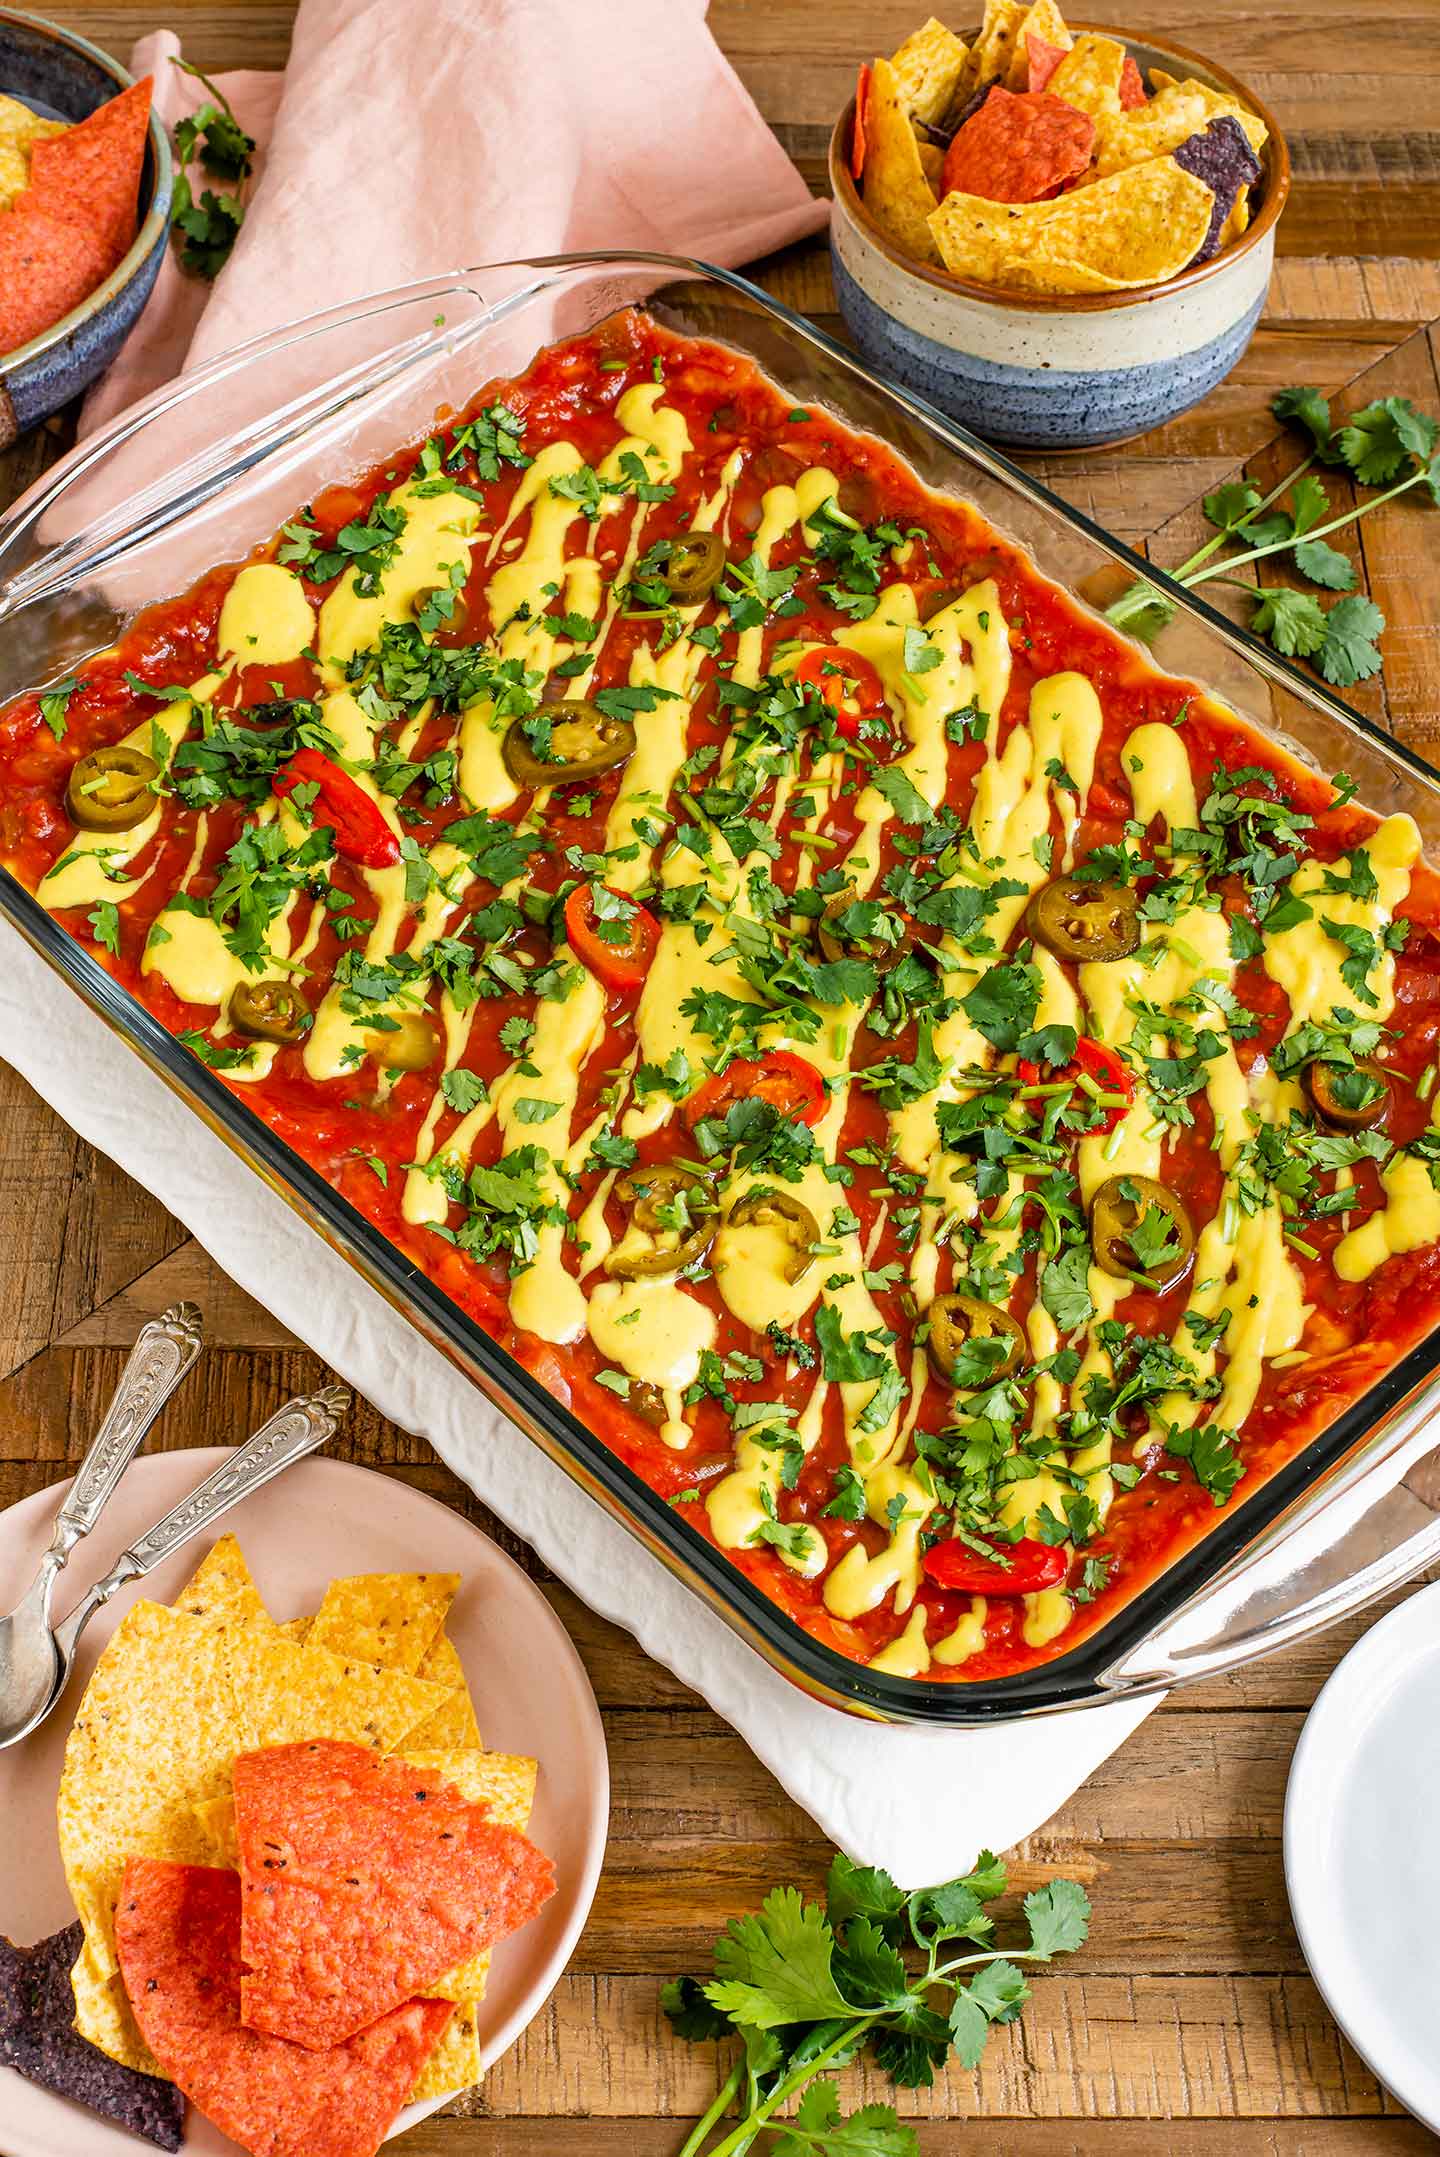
(292, 1432)
(164, 1351)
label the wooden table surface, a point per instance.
(1192, 2006)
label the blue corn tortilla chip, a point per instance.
(1221, 156)
(38, 2039)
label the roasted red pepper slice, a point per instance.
(785, 1080)
(621, 961)
(1020, 1568)
(361, 832)
(1104, 1067)
(849, 685)
(859, 134)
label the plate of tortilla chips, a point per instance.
(1058, 171)
(310, 1839)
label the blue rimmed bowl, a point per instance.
(65, 77)
(1053, 371)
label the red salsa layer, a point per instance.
(948, 1105)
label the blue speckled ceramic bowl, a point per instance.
(1057, 372)
(65, 77)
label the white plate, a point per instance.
(1362, 1855)
(320, 1519)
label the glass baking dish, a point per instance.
(213, 464)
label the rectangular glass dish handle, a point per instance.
(1369, 1526)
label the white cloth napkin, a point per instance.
(919, 1802)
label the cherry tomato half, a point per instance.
(361, 832)
(860, 132)
(1020, 1568)
(849, 685)
(785, 1080)
(621, 958)
(1102, 1066)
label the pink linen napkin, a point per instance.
(406, 140)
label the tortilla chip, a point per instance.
(927, 68)
(48, 265)
(1132, 89)
(1019, 147)
(180, 1944)
(932, 164)
(1046, 24)
(897, 193)
(1136, 228)
(1089, 76)
(455, 2063)
(1160, 80)
(20, 128)
(39, 2040)
(453, 1724)
(995, 47)
(1177, 111)
(363, 1880)
(154, 1733)
(104, 2020)
(1238, 221)
(295, 1629)
(283, 1692)
(1221, 156)
(91, 174)
(221, 1590)
(387, 1619)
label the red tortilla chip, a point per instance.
(857, 134)
(1044, 59)
(177, 1931)
(1019, 147)
(1132, 88)
(364, 1880)
(47, 266)
(91, 173)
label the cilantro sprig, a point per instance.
(209, 224)
(807, 1989)
(1388, 444)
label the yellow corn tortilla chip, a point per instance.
(388, 1619)
(994, 49)
(455, 2063)
(1173, 115)
(1089, 75)
(927, 70)
(1239, 219)
(453, 1725)
(221, 1589)
(1045, 20)
(103, 2017)
(20, 130)
(1136, 228)
(155, 1732)
(295, 1629)
(215, 1821)
(1159, 80)
(897, 193)
(284, 1693)
(932, 164)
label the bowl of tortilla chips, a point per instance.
(85, 182)
(1060, 234)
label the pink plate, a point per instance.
(320, 1519)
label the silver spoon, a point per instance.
(292, 1432)
(164, 1351)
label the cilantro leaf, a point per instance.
(1312, 411)
(1230, 506)
(1377, 441)
(1059, 1918)
(1348, 652)
(775, 1968)
(1003, 1003)
(1325, 565)
(903, 796)
(1065, 1290)
(1294, 622)
(846, 1358)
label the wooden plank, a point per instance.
(1120, 2047)
(448, 2136)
